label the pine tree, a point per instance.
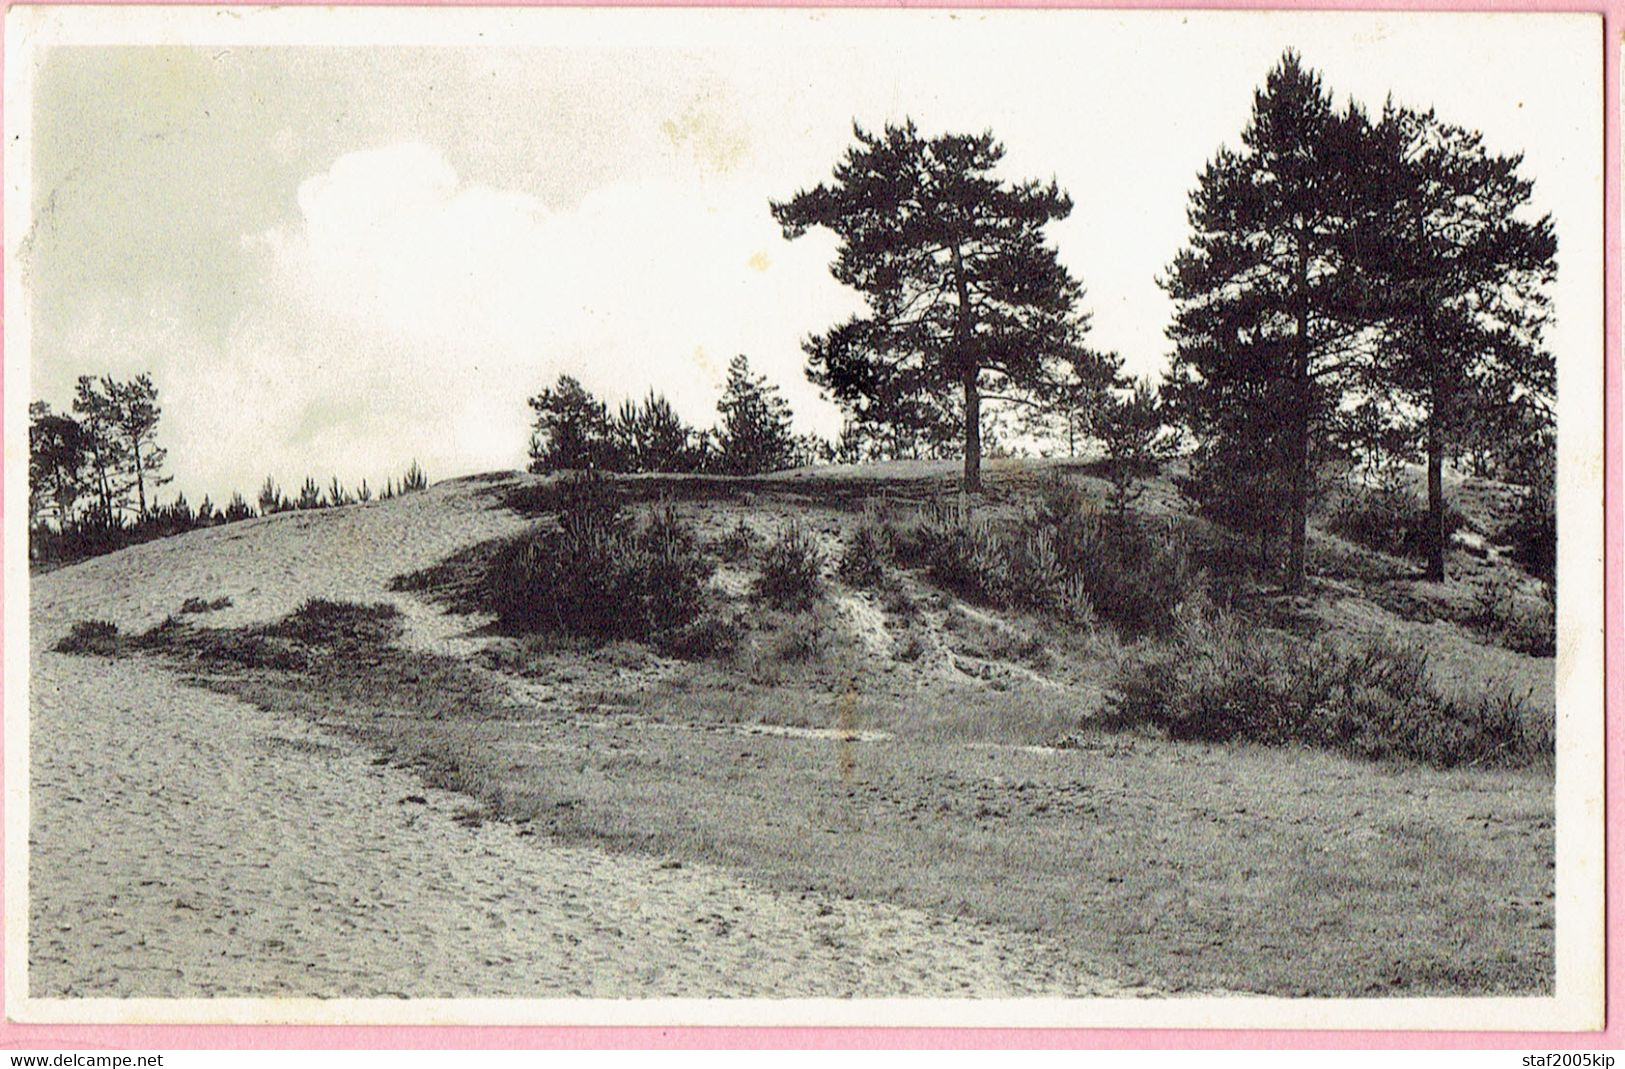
(1271, 318)
(97, 410)
(1135, 435)
(270, 497)
(1463, 273)
(59, 465)
(237, 509)
(571, 431)
(415, 479)
(650, 436)
(310, 495)
(136, 415)
(967, 301)
(755, 434)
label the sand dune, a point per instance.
(184, 843)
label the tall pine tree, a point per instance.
(135, 416)
(1463, 271)
(967, 301)
(1271, 318)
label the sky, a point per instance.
(334, 259)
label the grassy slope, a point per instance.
(1190, 867)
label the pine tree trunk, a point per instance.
(140, 485)
(1296, 568)
(105, 491)
(1298, 536)
(1435, 535)
(972, 482)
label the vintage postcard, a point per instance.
(594, 516)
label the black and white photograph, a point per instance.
(823, 517)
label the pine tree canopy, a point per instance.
(966, 299)
(1272, 316)
(1465, 276)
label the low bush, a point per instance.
(739, 544)
(96, 637)
(1389, 520)
(1220, 679)
(709, 635)
(201, 605)
(600, 573)
(958, 548)
(792, 569)
(864, 556)
(1520, 624)
(1062, 557)
(320, 622)
(803, 639)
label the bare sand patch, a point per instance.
(185, 843)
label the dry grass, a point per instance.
(1193, 867)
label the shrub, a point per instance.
(803, 640)
(1062, 557)
(912, 648)
(672, 574)
(864, 556)
(97, 637)
(414, 480)
(320, 622)
(1219, 679)
(706, 636)
(199, 605)
(739, 544)
(1132, 573)
(960, 549)
(1516, 623)
(237, 510)
(599, 574)
(310, 495)
(792, 566)
(1389, 520)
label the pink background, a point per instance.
(172, 1037)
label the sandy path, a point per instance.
(185, 843)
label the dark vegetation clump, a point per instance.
(339, 624)
(201, 605)
(864, 556)
(792, 569)
(458, 582)
(708, 636)
(739, 544)
(1389, 520)
(1220, 679)
(1523, 625)
(95, 637)
(599, 573)
(318, 632)
(1531, 535)
(1062, 557)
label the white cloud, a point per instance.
(409, 299)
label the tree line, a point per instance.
(93, 473)
(573, 430)
(1357, 289)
